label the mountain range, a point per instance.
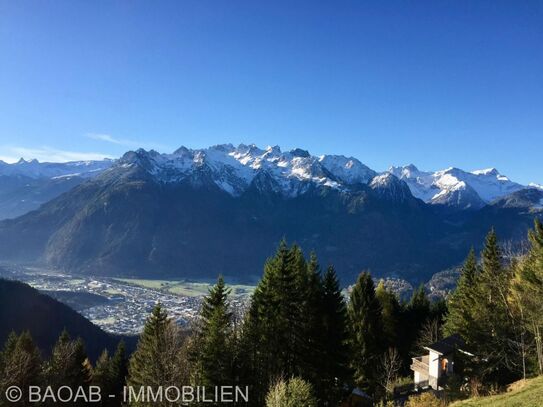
(223, 209)
(25, 185)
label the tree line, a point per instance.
(304, 341)
(498, 309)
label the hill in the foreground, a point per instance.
(25, 308)
(520, 394)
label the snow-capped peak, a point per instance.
(233, 169)
(35, 169)
(456, 187)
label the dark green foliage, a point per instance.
(334, 370)
(213, 343)
(20, 365)
(159, 359)
(296, 327)
(110, 374)
(366, 332)
(391, 314)
(461, 304)
(273, 330)
(68, 364)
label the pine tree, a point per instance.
(158, 359)
(527, 290)
(102, 377)
(67, 365)
(462, 302)
(272, 332)
(287, 330)
(366, 332)
(213, 343)
(21, 365)
(334, 370)
(312, 345)
(492, 329)
(390, 314)
(119, 370)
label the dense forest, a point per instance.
(306, 342)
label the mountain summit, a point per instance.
(201, 212)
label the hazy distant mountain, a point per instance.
(26, 185)
(224, 209)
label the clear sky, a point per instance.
(435, 83)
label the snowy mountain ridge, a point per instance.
(35, 169)
(456, 187)
(235, 169)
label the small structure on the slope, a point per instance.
(432, 370)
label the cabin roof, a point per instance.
(446, 345)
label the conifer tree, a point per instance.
(119, 370)
(334, 370)
(272, 339)
(21, 365)
(68, 365)
(492, 329)
(287, 328)
(102, 376)
(213, 342)
(312, 344)
(462, 304)
(158, 359)
(390, 314)
(146, 364)
(366, 332)
(527, 290)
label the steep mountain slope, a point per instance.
(26, 185)
(24, 308)
(199, 213)
(140, 218)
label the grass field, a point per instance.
(521, 394)
(185, 287)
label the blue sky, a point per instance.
(436, 83)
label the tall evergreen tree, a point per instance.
(119, 370)
(272, 338)
(492, 332)
(21, 365)
(527, 290)
(390, 314)
(334, 370)
(158, 359)
(312, 345)
(462, 306)
(366, 332)
(102, 376)
(68, 364)
(213, 342)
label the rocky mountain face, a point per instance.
(198, 213)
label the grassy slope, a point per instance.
(529, 394)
